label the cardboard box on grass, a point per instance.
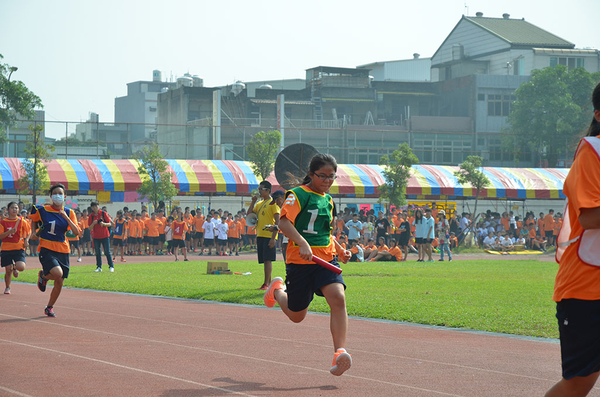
(218, 268)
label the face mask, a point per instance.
(58, 198)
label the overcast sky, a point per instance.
(78, 55)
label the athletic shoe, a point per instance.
(112, 269)
(15, 273)
(186, 260)
(79, 259)
(98, 270)
(7, 291)
(42, 281)
(342, 361)
(440, 260)
(269, 297)
(236, 254)
(123, 260)
(430, 261)
(49, 311)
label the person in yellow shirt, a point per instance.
(577, 284)
(267, 212)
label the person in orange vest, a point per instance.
(577, 284)
(14, 233)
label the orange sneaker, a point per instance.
(342, 361)
(269, 297)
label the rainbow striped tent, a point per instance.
(118, 180)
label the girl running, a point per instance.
(14, 233)
(54, 248)
(306, 218)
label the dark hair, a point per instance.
(318, 161)
(266, 184)
(594, 129)
(11, 203)
(419, 219)
(94, 204)
(58, 185)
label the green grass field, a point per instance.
(511, 297)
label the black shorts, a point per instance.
(153, 240)
(7, 257)
(427, 240)
(549, 233)
(222, 243)
(178, 243)
(209, 242)
(303, 281)
(188, 236)
(579, 328)
(419, 240)
(86, 236)
(264, 252)
(118, 242)
(161, 238)
(50, 259)
(198, 235)
(74, 243)
(145, 239)
(233, 240)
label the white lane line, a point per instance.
(126, 367)
(271, 361)
(224, 330)
(16, 393)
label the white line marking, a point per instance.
(16, 393)
(126, 367)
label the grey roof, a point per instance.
(520, 32)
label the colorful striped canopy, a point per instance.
(118, 180)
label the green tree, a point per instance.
(262, 152)
(35, 179)
(156, 179)
(550, 112)
(16, 101)
(397, 168)
(470, 173)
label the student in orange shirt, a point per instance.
(380, 248)
(577, 285)
(119, 234)
(152, 226)
(531, 237)
(540, 225)
(233, 235)
(549, 227)
(54, 248)
(161, 231)
(198, 231)
(74, 240)
(180, 228)
(86, 238)
(132, 232)
(14, 233)
(394, 253)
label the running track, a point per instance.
(109, 344)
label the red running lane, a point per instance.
(113, 344)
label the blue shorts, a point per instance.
(303, 281)
(50, 259)
(7, 257)
(579, 328)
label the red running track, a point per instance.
(110, 344)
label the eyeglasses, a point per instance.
(323, 177)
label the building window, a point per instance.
(499, 105)
(571, 63)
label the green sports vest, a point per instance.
(314, 220)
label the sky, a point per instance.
(78, 55)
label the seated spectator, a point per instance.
(490, 241)
(370, 247)
(539, 243)
(381, 247)
(453, 240)
(358, 254)
(392, 254)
